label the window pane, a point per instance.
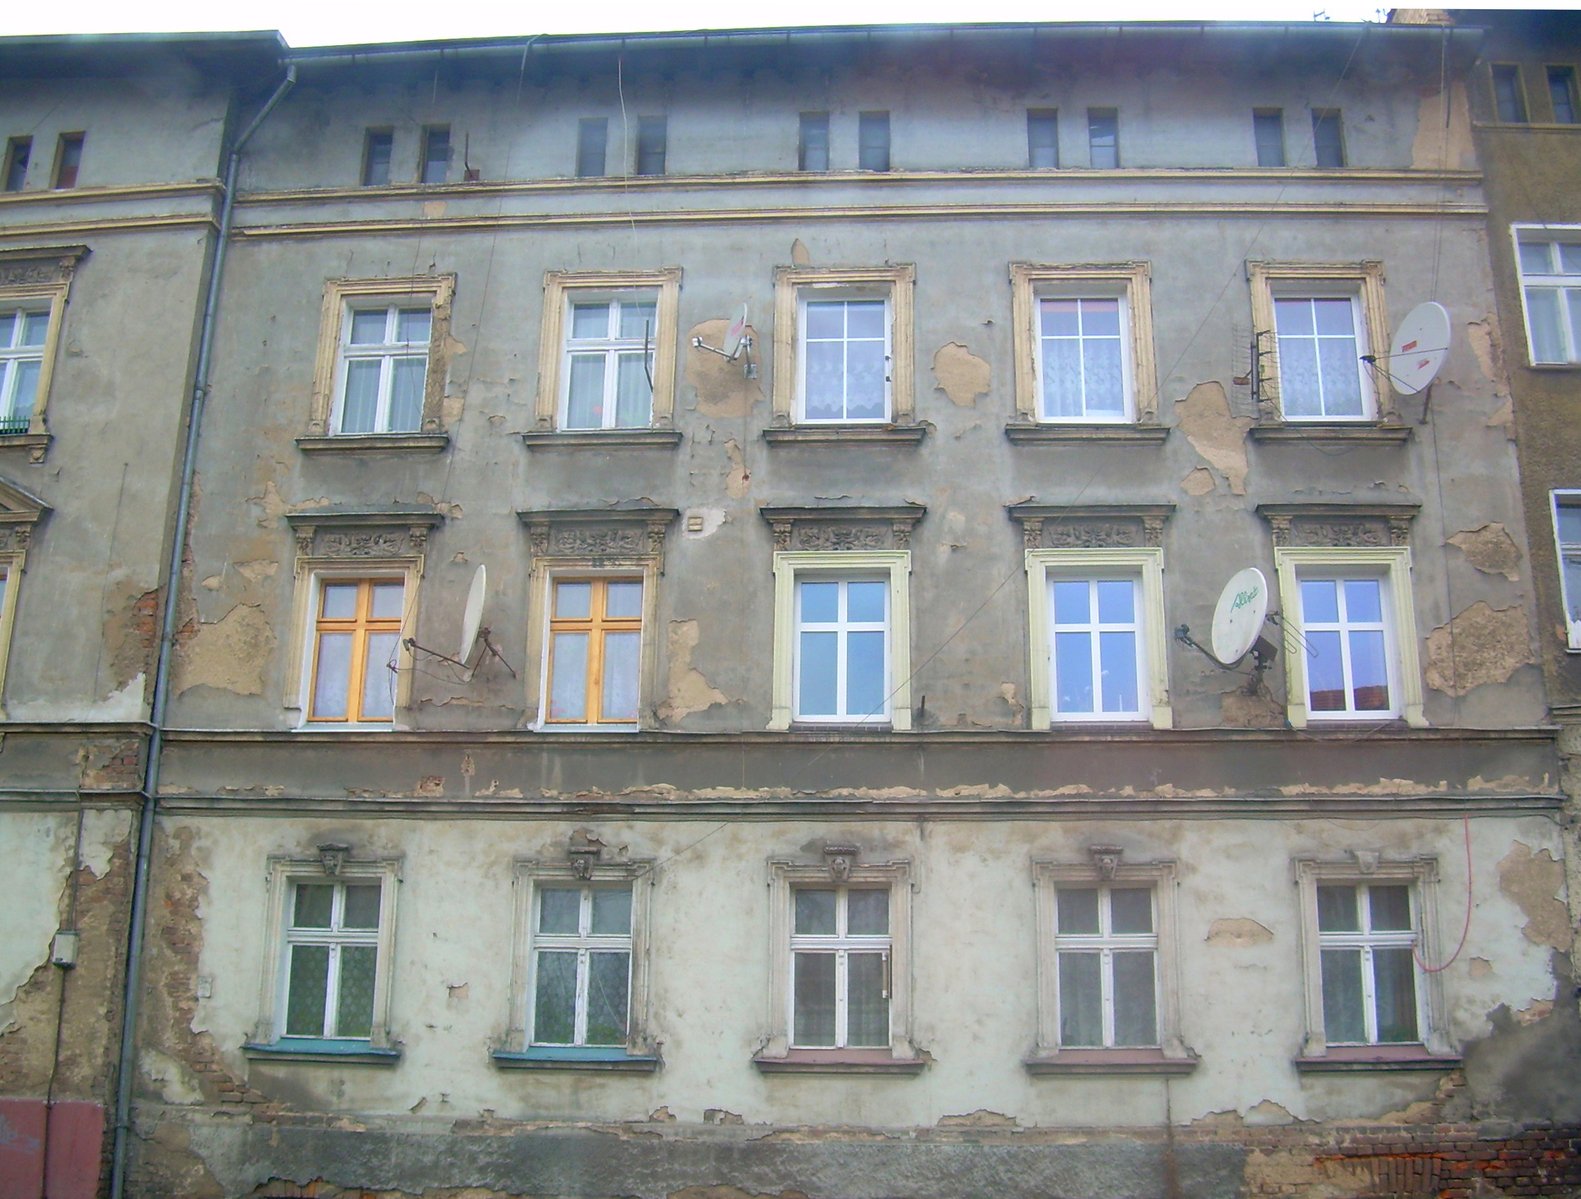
(1269, 130)
(589, 321)
(1390, 908)
(1117, 652)
(339, 601)
(865, 602)
(1071, 600)
(573, 600)
(813, 142)
(1569, 264)
(1062, 379)
(1343, 1021)
(554, 999)
(1042, 138)
(1300, 390)
(308, 984)
(568, 673)
(1116, 601)
(559, 910)
(1535, 257)
(639, 317)
(1105, 375)
(1363, 599)
(612, 911)
(1135, 1000)
(592, 136)
(378, 678)
(1369, 671)
(1336, 910)
(866, 685)
(866, 371)
(1394, 987)
(387, 600)
(621, 652)
(1073, 672)
(623, 599)
(436, 154)
(25, 393)
(867, 1006)
(1341, 377)
(1319, 601)
(865, 318)
(867, 913)
(608, 993)
(1080, 999)
(633, 396)
(1542, 314)
(824, 398)
(1060, 317)
(368, 325)
(314, 903)
(814, 999)
(406, 394)
(1569, 518)
(1131, 909)
(584, 407)
(362, 907)
(825, 319)
(1078, 910)
(1334, 318)
(360, 407)
(814, 912)
(413, 326)
(35, 325)
(8, 328)
(820, 602)
(818, 681)
(354, 1006)
(332, 679)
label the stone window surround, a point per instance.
(334, 863)
(41, 276)
(20, 512)
(340, 297)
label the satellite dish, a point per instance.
(737, 330)
(1238, 617)
(1419, 348)
(472, 618)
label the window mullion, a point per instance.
(579, 1024)
(331, 1026)
(595, 652)
(841, 997)
(1106, 992)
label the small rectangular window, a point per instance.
(873, 141)
(1103, 137)
(812, 144)
(68, 159)
(1509, 97)
(436, 154)
(592, 137)
(376, 147)
(1268, 128)
(1042, 138)
(1328, 138)
(1562, 91)
(652, 136)
(17, 153)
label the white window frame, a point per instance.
(1158, 877)
(311, 574)
(1357, 339)
(841, 944)
(842, 627)
(793, 287)
(807, 297)
(1421, 876)
(1392, 566)
(1568, 288)
(341, 298)
(786, 876)
(562, 289)
(1128, 282)
(387, 354)
(611, 347)
(790, 566)
(529, 875)
(1571, 551)
(1144, 564)
(566, 573)
(283, 875)
(56, 268)
(12, 357)
(1359, 282)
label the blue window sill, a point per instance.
(596, 1058)
(340, 1050)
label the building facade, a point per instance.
(692, 663)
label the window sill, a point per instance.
(595, 1059)
(1346, 1059)
(1108, 1061)
(601, 439)
(339, 1051)
(365, 443)
(36, 444)
(1318, 433)
(839, 1061)
(847, 435)
(1554, 366)
(1028, 433)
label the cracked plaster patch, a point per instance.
(738, 479)
(1198, 482)
(1479, 645)
(1237, 932)
(1534, 882)
(961, 375)
(689, 690)
(229, 653)
(1490, 548)
(723, 388)
(1215, 433)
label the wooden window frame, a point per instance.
(597, 625)
(361, 626)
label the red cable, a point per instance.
(1466, 822)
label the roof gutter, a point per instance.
(131, 1007)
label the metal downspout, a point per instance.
(167, 640)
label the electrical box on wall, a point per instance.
(63, 951)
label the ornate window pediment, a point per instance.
(1106, 526)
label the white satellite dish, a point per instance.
(737, 330)
(472, 617)
(1419, 348)
(1238, 617)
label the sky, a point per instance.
(336, 22)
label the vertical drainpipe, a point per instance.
(167, 642)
